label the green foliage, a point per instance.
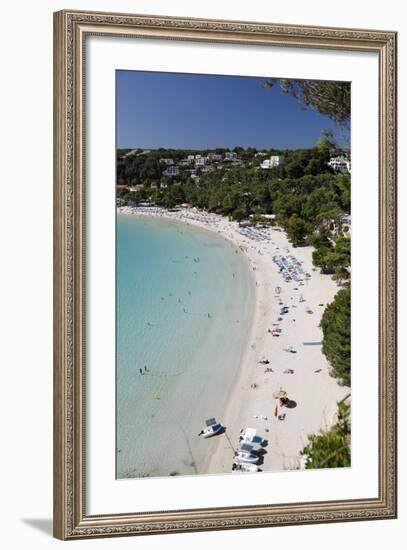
(321, 238)
(331, 448)
(297, 230)
(238, 214)
(327, 97)
(322, 204)
(325, 144)
(343, 189)
(336, 326)
(332, 256)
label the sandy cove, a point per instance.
(313, 393)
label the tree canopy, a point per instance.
(331, 98)
(336, 327)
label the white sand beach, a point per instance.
(304, 375)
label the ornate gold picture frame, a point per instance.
(71, 519)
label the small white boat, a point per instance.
(212, 428)
(245, 467)
(248, 450)
(249, 435)
(254, 447)
(246, 457)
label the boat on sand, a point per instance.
(212, 428)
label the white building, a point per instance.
(190, 158)
(342, 225)
(215, 157)
(184, 162)
(339, 164)
(172, 171)
(200, 161)
(274, 160)
(346, 225)
(168, 162)
(230, 155)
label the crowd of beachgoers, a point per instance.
(283, 391)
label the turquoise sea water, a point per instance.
(170, 276)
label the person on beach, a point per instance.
(141, 372)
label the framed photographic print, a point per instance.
(225, 274)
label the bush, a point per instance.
(331, 448)
(336, 325)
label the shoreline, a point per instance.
(313, 393)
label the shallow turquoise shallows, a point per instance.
(185, 299)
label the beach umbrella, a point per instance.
(280, 393)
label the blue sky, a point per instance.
(184, 111)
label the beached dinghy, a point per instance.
(249, 435)
(212, 428)
(245, 454)
(255, 447)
